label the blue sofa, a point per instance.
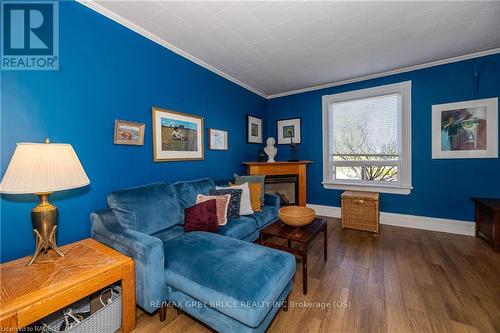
(222, 279)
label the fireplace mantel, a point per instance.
(282, 168)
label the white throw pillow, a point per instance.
(246, 204)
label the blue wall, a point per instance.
(108, 72)
(442, 188)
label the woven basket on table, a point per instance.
(296, 216)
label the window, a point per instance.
(367, 139)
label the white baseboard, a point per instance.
(328, 211)
(409, 221)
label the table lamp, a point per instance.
(43, 168)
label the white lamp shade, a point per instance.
(43, 167)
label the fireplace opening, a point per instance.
(285, 186)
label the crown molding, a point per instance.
(134, 27)
(387, 73)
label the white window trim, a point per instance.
(403, 186)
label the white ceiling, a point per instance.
(275, 47)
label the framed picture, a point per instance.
(254, 129)
(128, 133)
(289, 130)
(176, 136)
(217, 139)
(465, 129)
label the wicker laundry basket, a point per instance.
(105, 320)
(360, 210)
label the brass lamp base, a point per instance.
(44, 220)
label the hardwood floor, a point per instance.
(403, 280)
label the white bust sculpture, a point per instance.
(270, 150)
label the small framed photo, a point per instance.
(466, 129)
(128, 133)
(176, 136)
(254, 129)
(217, 139)
(289, 130)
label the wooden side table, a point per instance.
(303, 235)
(29, 293)
(488, 221)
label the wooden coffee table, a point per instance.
(303, 235)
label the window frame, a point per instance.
(403, 185)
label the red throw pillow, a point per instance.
(201, 217)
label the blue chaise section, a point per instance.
(226, 273)
(222, 272)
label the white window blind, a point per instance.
(367, 139)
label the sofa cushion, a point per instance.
(223, 181)
(239, 227)
(267, 215)
(148, 208)
(170, 233)
(188, 190)
(198, 264)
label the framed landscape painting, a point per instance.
(176, 136)
(217, 139)
(465, 129)
(254, 129)
(289, 130)
(128, 133)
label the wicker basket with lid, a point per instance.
(360, 210)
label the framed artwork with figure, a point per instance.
(466, 129)
(254, 129)
(177, 136)
(289, 130)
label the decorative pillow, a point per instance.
(245, 205)
(255, 189)
(252, 179)
(233, 209)
(222, 204)
(201, 217)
